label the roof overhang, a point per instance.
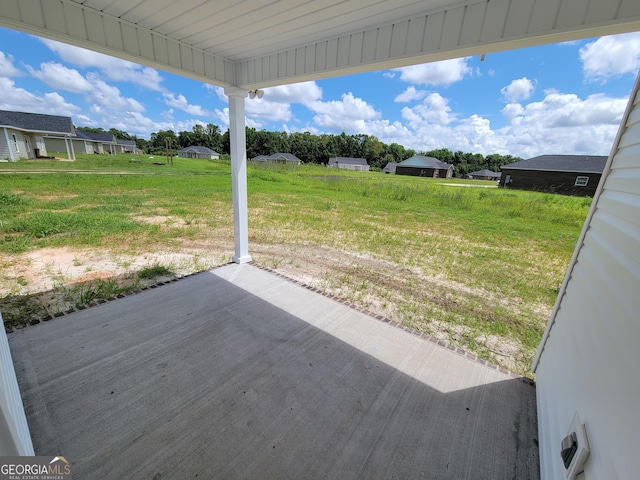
(36, 132)
(259, 43)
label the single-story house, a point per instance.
(390, 167)
(94, 142)
(287, 158)
(484, 175)
(567, 174)
(126, 146)
(349, 163)
(195, 151)
(421, 166)
(25, 135)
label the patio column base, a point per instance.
(242, 259)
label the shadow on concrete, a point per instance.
(201, 378)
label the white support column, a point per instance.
(238, 143)
(6, 135)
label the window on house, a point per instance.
(15, 141)
(581, 181)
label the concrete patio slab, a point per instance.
(240, 373)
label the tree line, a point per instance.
(308, 147)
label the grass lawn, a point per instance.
(477, 267)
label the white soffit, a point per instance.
(258, 43)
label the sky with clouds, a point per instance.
(566, 98)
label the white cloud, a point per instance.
(437, 73)
(112, 68)
(520, 89)
(180, 102)
(108, 96)
(7, 68)
(564, 123)
(611, 56)
(303, 93)
(512, 110)
(410, 94)
(348, 115)
(268, 110)
(19, 99)
(434, 109)
(60, 77)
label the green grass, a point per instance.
(480, 267)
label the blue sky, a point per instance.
(556, 99)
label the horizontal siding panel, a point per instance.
(623, 180)
(628, 156)
(590, 356)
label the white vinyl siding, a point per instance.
(589, 359)
(14, 432)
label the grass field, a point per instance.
(477, 267)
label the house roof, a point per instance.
(130, 143)
(348, 161)
(420, 161)
(199, 149)
(561, 163)
(36, 122)
(485, 173)
(95, 136)
(390, 166)
(288, 156)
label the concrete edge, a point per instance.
(459, 351)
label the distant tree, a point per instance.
(92, 129)
(121, 134)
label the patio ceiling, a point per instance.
(259, 43)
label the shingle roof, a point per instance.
(36, 122)
(561, 163)
(485, 173)
(348, 161)
(423, 162)
(95, 136)
(391, 166)
(288, 156)
(120, 141)
(198, 149)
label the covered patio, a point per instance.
(237, 373)
(240, 373)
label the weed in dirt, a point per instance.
(154, 271)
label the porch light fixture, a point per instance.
(256, 93)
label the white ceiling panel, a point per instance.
(257, 43)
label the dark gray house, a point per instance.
(421, 166)
(566, 174)
(349, 163)
(483, 175)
